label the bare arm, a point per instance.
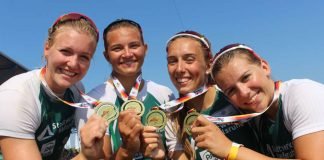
(15, 148)
(210, 137)
(310, 146)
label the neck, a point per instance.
(204, 101)
(127, 81)
(272, 111)
(57, 90)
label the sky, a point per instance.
(289, 34)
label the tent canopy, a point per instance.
(9, 68)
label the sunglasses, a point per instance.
(75, 16)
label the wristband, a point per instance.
(233, 151)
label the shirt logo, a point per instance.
(47, 133)
(48, 148)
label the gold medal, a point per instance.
(134, 104)
(156, 118)
(189, 120)
(108, 111)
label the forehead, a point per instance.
(123, 33)
(185, 45)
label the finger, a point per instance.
(151, 140)
(149, 129)
(150, 132)
(201, 121)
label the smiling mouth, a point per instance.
(182, 81)
(253, 100)
(68, 73)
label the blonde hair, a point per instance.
(81, 25)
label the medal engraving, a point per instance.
(156, 118)
(107, 111)
(136, 105)
(189, 120)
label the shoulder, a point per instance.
(301, 88)
(21, 81)
(302, 106)
(158, 90)
(103, 90)
(19, 105)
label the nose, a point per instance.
(180, 67)
(73, 61)
(243, 90)
(128, 52)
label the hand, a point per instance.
(153, 146)
(92, 137)
(130, 128)
(208, 136)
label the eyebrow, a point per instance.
(240, 78)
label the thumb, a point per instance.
(200, 121)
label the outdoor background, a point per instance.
(289, 34)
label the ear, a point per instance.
(106, 55)
(266, 67)
(145, 48)
(46, 50)
(208, 67)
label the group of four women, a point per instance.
(228, 107)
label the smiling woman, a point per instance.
(292, 123)
(34, 103)
(189, 56)
(125, 50)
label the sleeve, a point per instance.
(172, 142)
(19, 117)
(304, 108)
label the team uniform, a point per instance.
(300, 112)
(241, 133)
(29, 111)
(150, 95)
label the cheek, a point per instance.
(141, 56)
(171, 72)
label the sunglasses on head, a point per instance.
(75, 16)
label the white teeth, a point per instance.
(182, 80)
(252, 100)
(68, 73)
(128, 62)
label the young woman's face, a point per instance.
(187, 66)
(68, 58)
(248, 86)
(125, 51)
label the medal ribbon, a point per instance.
(169, 105)
(121, 90)
(90, 102)
(245, 117)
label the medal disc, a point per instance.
(156, 118)
(189, 120)
(136, 105)
(107, 111)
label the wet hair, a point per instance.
(76, 21)
(119, 23)
(227, 53)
